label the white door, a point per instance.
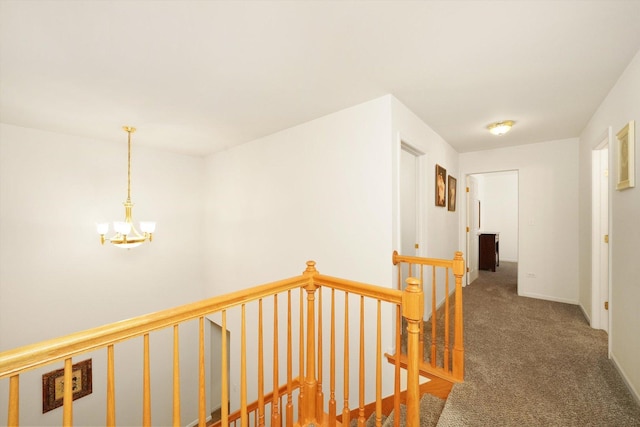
(600, 237)
(408, 203)
(473, 228)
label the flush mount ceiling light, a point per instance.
(500, 128)
(126, 234)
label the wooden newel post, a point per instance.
(412, 311)
(458, 345)
(310, 381)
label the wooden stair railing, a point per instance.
(441, 360)
(313, 406)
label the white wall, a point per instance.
(547, 213)
(56, 278)
(499, 204)
(621, 105)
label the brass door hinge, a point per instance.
(467, 229)
(467, 189)
(606, 238)
(468, 269)
(606, 305)
(417, 246)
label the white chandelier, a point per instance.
(126, 234)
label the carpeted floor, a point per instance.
(531, 362)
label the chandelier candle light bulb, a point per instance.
(126, 234)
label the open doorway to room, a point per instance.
(492, 223)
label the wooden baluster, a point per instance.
(260, 368)
(396, 400)
(301, 360)
(413, 309)
(67, 400)
(146, 388)
(332, 363)
(434, 316)
(361, 419)
(111, 387)
(379, 367)
(276, 419)
(202, 392)
(319, 393)
(289, 364)
(176, 377)
(346, 413)
(458, 347)
(244, 416)
(13, 417)
(422, 331)
(224, 413)
(446, 322)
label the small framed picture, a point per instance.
(441, 186)
(53, 385)
(626, 157)
(451, 192)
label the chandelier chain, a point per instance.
(129, 130)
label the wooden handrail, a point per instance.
(45, 352)
(438, 262)
(364, 289)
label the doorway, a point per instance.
(411, 189)
(216, 364)
(473, 227)
(600, 235)
(492, 207)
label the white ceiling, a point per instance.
(197, 77)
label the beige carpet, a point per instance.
(531, 362)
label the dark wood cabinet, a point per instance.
(489, 251)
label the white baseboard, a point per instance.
(196, 422)
(584, 313)
(547, 298)
(427, 315)
(625, 378)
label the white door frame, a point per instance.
(471, 243)
(600, 226)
